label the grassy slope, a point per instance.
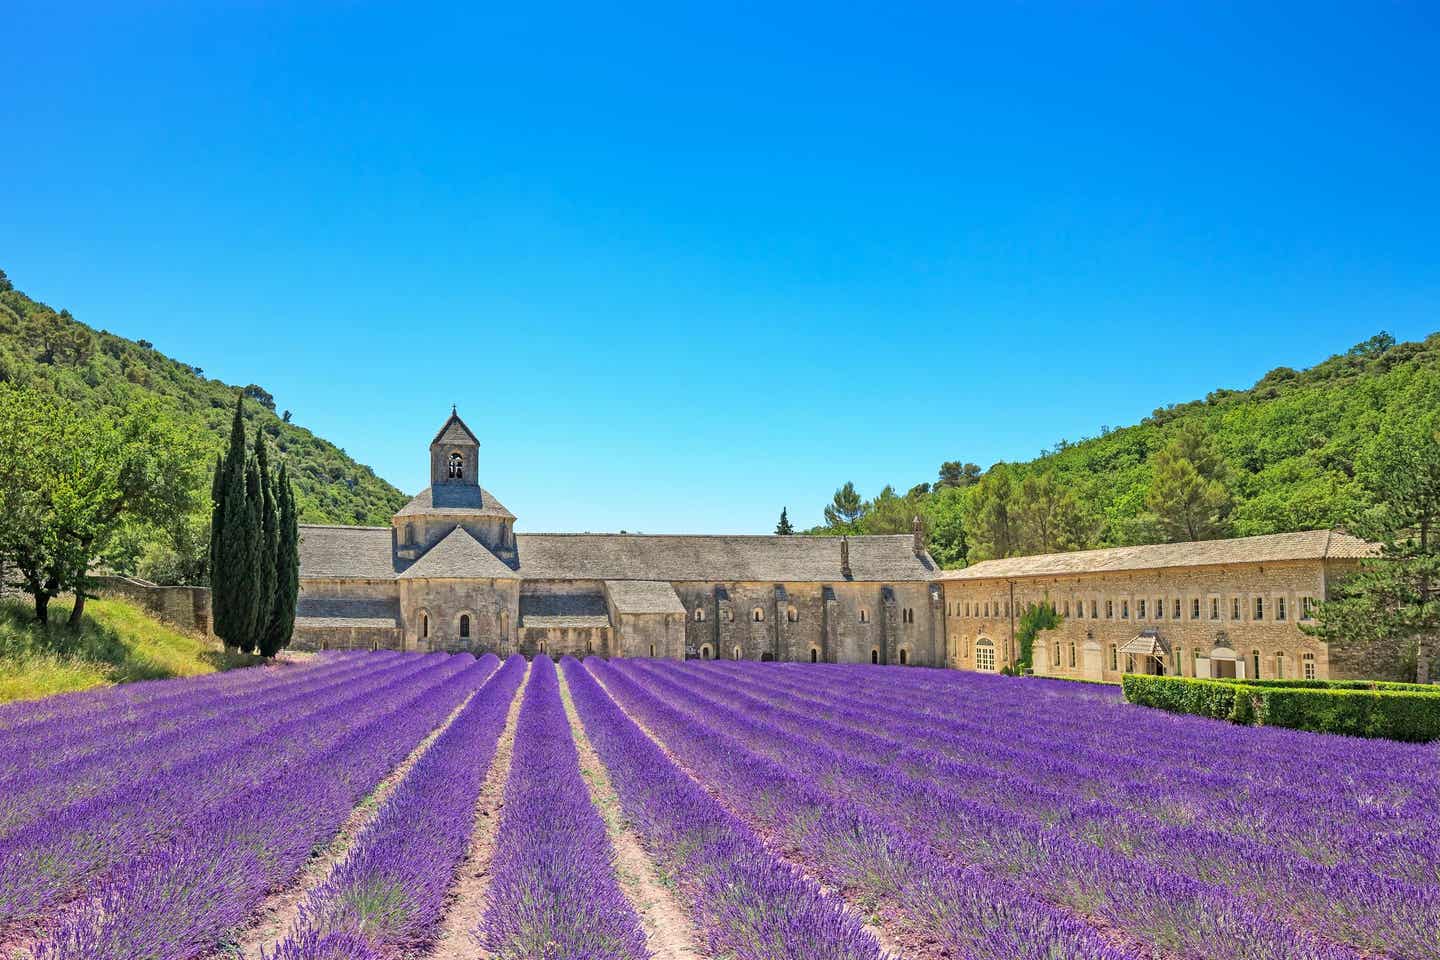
(117, 642)
(109, 372)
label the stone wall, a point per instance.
(1103, 611)
(185, 607)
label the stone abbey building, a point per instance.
(452, 572)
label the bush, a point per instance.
(1396, 711)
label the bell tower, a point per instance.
(455, 455)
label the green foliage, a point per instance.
(114, 642)
(287, 571)
(844, 509)
(98, 373)
(1392, 711)
(1041, 616)
(784, 528)
(1187, 493)
(1291, 448)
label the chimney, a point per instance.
(917, 533)
(845, 557)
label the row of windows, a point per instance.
(1279, 662)
(792, 615)
(705, 654)
(1160, 609)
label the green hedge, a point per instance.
(1411, 713)
(1343, 685)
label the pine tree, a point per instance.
(783, 528)
(287, 570)
(1188, 493)
(844, 509)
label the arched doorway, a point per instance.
(985, 655)
(904, 656)
(705, 652)
(766, 657)
(874, 656)
(814, 655)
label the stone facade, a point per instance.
(186, 607)
(1220, 608)
(451, 572)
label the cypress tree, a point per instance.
(269, 544)
(287, 569)
(235, 546)
(255, 616)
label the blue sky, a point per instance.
(680, 266)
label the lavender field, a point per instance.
(441, 806)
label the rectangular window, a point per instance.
(1214, 608)
(1259, 608)
(1094, 609)
(1309, 662)
(1159, 608)
(1109, 609)
(1140, 609)
(1179, 661)
(1195, 609)
(1255, 656)
(1235, 608)
(1279, 666)
(987, 609)
(1307, 608)
(1057, 654)
(1114, 657)
(1067, 608)
(1072, 655)
(1280, 608)
(1125, 609)
(1175, 610)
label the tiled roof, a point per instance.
(455, 500)
(346, 553)
(454, 431)
(365, 553)
(643, 596)
(563, 610)
(608, 556)
(1270, 548)
(346, 612)
(458, 556)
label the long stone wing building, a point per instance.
(452, 572)
(1218, 608)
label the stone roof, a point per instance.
(1270, 548)
(455, 432)
(564, 610)
(347, 612)
(610, 556)
(458, 556)
(346, 553)
(455, 500)
(643, 596)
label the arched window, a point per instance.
(541, 646)
(455, 470)
(874, 655)
(758, 614)
(1114, 657)
(814, 655)
(589, 646)
(735, 654)
(464, 626)
(699, 614)
(424, 625)
(792, 615)
(652, 651)
(904, 656)
(1072, 653)
(705, 651)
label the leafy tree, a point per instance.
(1041, 616)
(1394, 600)
(844, 509)
(944, 513)
(5, 284)
(783, 528)
(1188, 494)
(1050, 518)
(991, 526)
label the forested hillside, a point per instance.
(1281, 455)
(48, 350)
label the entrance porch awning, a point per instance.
(1147, 643)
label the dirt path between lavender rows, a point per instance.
(465, 903)
(277, 915)
(888, 943)
(669, 934)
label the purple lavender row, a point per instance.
(182, 900)
(47, 862)
(553, 892)
(956, 911)
(1343, 902)
(1395, 839)
(749, 905)
(44, 791)
(61, 742)
(387, 898)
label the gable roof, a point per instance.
(453, 500)
(643, 596)
(347, 553)
(1269, 548)
(458, 556)
(804, 559)
(454, 431)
